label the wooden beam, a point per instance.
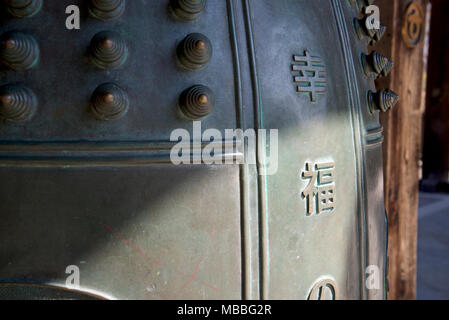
(402, 146)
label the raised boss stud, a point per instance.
(106, 9)
(194, 51)
(17, 103)
(18, 51)
(186, 10)
(196, 102)
(109, 102)
(23, 8)
(108, 50)
(382, 100)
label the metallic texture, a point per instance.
(103, 154)
(186, 10)
(106, 9)
(14, 291)
(17, 103)
(373, 36)
(324, 289)
(108, 50)
(378, 35)
(23, 8)
(309, 75)
(386, 70)
(105, 195)
(18, 51)
(109, 102)
(361, 4)
(382, 100)
(196, 102)
(194, 51)
(376, 64)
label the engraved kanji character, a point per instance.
(310, 191)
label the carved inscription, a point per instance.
(320, 192)
(309, 75)
(325, 289)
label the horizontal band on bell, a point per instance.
(89, 154)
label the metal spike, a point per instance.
(187, 10)
(18, 51)
(374, 63)
(106, 9)
(378, 35)
(194, 52)
(17, 103)
(109, 102)
(108, 50)
(196, 102)
(386, 70)
(382, 100)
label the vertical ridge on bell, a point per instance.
(18, 51)
(187, 10)
(23, 8)
(194, 51)
(106, 9)
(377, 64)
(382, 100)
(109, 102)
(196, 102)
(17, 103)
(108, 50)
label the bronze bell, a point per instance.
(187, 10)
(196, 102)
(376, 64)
(23, 8)
(106, 9)
(18, 51)
(382, 100)
(17, 103)
(108, 50)
(109, 102)
(194, 51)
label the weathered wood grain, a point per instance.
(402, 148)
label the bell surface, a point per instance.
(89, 182)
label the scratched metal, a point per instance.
(104, 196)
(134, 233)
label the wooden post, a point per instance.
(402, 146)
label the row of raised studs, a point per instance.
(374, 64)
(186, 10)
